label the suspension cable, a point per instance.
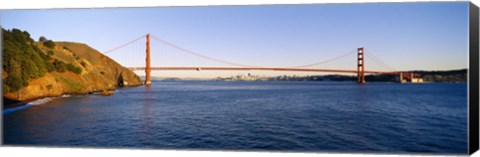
(325, 61)
(380, 62)
(198, 54)
(126, 44)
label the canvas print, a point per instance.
(361, 78)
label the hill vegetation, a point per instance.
(33, 69)
(23, 60)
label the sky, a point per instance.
(406, 36)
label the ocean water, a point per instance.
(256, 116)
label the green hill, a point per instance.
(45, 68)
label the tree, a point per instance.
(42, 39)
(22, 59)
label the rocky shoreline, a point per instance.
(11, 103)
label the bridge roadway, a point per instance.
(259, 68)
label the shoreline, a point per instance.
(11, 103)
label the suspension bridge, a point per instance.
(232, 66)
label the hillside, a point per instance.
(35, 69)
(448, 76)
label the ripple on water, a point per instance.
(29, 104)
(255, 116)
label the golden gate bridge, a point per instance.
(360, 66)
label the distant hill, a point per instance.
(459, 75)
(429, 76)
(35, 69)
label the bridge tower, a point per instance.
(361, 65)
(147, 59)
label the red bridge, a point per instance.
(263, 69)
(360, 68)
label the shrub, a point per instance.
(83, 64)
(73, 68)
(50, 67)
(66, 48)
(14, 83)
(50, 44)
(42, 39)
(75, 56)
(59, 65)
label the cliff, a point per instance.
(36, 69)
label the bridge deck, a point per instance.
(262, 69)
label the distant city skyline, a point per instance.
(407, 36)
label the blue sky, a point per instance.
(407, 36)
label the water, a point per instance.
(284, 116)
